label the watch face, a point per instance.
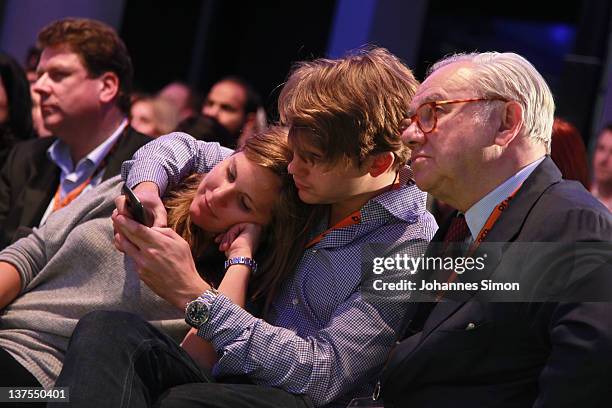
(197, 313)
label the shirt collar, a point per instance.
(477, 215)
(406, 202)
(59, 152)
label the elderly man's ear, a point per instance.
(511, 122)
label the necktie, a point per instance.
(457, 233)
(454, 244)
(458, 230)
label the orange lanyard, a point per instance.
(59, 203)
(495, 214)
(74, 193)
(351, 219)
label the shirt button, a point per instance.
(314, 251)
(470, 326)
(295, 301)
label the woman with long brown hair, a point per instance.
(68, 267)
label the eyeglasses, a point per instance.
(426, 116)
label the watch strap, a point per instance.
(209, 296)
(197, 312)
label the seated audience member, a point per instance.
(84, 81)
(569, 153)
(234, 104)
(602, 167)
(479, 128)
(15, 106)
(30, 69)
(183, 98)
(326, 331)
(206, 129)
(153, 116)
(141, 113)
(31, 63)
(69, 266)
(37, 119)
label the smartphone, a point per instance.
(139, 213)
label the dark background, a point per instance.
(201, 41)
(258, 41)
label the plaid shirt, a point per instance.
(325, 337)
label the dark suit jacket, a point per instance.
(477, 353)
(29, 179)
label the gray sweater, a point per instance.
(69, 267)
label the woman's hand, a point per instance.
(163, 260)
(240, 240)
(148, 194)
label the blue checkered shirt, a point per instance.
(325, 337)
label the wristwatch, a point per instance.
(197, 312)
(242, 260)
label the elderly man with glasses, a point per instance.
(479, 128)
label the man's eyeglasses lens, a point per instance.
(424, 117)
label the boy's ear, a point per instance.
(381, 163)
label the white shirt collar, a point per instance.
(476, 216)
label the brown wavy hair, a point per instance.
(352, 105)
(99, 47)
(284, 237)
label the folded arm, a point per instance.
(162, 164)
(170, 158)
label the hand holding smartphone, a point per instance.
(135, 207)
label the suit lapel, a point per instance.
(43, 175)
(127, 145)
(38, 194)
(117, 155)
(443, 309)
(510, 223)
(505, 230)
